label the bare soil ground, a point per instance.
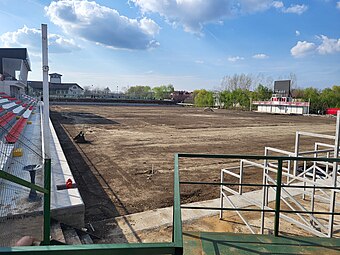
(127, 166)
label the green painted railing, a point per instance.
(176, 246)
(46, 190)
(278, 185)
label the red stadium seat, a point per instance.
(14, 134)
(6, 118)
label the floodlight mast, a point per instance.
(46, 113)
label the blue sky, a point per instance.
(191, 44)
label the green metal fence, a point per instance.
(174, 247)
(278, 185)
(46, 191)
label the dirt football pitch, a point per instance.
(127, 164)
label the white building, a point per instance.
(56, 87)
(281, 101)
(14, 68)
(55, 77)
(282, 107)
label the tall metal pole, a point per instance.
(46, 112)
(46, 138)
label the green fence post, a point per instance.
(177, 237)
(278, 198)
(47, 201)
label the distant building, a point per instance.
(218, 102)
(182, 97)
(57, 88)
(14, 67)
(55, 77)
(282, 101)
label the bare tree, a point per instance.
(266, 81)
(87, 90)
(237, 81)
(293, 80)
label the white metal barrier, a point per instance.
(321, 174)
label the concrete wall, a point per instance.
(67, 205)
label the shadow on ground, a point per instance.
(98, 205)
(84, 118)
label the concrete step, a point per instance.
(71, 236)
(57, 233)
(67, 234)
(85, 238)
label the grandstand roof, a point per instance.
(15, 53)
(38, 85)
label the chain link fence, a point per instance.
(21, 164)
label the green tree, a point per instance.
(262, 93)
(163, 92)
(241, 98)
(238, 98)
(297, 93)
(227, 99)
(330, 97)
(203, 98)
(140, 92)
(313, 96)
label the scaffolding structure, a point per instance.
(318, 181)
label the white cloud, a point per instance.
(31, 38)
(297, 33)
(102, 25)
(302, 49)
(297, 9)
(260, 56)
(199, 61)
(294, 8)
(338, 5)
(251, 6)
(236, 58)
(278, 4)
(149, 26)
(192, 15)
(328, 45)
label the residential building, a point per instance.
(56, 87)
